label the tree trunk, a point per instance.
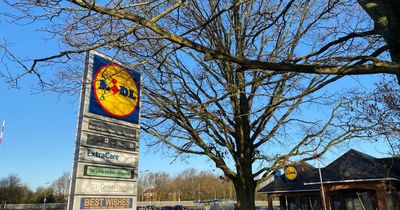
(245, 187)
(245, 194)
(396, 58)
(386, 19)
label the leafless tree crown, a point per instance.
(225, 79)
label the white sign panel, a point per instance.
(111, 157)
(101, 187)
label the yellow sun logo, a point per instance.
(291, 173)
(115, 90)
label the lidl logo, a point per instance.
(115, 91)
(291, 173)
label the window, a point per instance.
(353, 200)
(389, 200)
(311, 202)
(336, 202)
(291, 203)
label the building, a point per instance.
(150, 195)
(354, 181)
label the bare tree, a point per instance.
(41, 193)
(160, 183)
(187, 185)
(60, 188)
(171, 22)
(247, 124)
(382, 107)
(12, 190)
(223, 79)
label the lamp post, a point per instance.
(45, 195)
(321, 181)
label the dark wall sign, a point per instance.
(109, 142)
(95, 125)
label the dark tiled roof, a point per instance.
(351, 166)
(392, 166)
(279, 185)
(355, 165)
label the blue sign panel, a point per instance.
(115, 91)
(106, 203)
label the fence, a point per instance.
(197, 205)
(153, 205)
(52, 206)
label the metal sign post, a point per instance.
(104, 174)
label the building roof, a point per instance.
(279, 185)
(352, 166)
(357, 166)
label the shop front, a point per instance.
(354, 181)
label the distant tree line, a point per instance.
(189, 185)
(14, 191)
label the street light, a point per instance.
(45, 195)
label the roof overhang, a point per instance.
(353, 180)
(289, 191)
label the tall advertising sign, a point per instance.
(104, 174)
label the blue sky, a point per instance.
(41, 126)
(40, 133)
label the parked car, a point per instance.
(179, 207)
(147, 208)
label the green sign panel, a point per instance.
(108, 172)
